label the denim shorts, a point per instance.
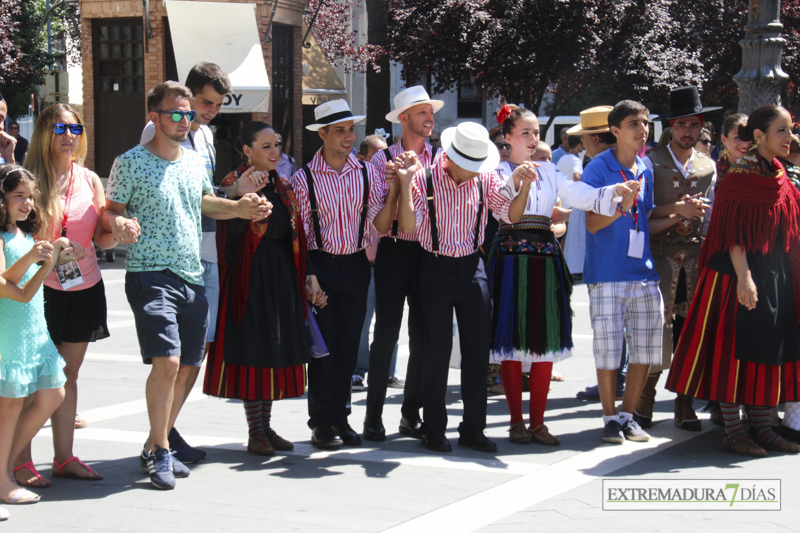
(211, 283)
(171, 315)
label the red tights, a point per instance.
(539, 383)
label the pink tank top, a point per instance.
(81, 222)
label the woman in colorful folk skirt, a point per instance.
(741, 340)
(529, 280)
(261, 346)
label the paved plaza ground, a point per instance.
(393, 486)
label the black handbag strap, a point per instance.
(312, 199)
(432, 211)
(364, 205)
(476, 243)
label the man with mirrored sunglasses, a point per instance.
(164, 188)
(209, 84)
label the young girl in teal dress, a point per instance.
(30, 366)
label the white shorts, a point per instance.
(630, 309)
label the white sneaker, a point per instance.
(357, 384)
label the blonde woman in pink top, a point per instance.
(71, 200)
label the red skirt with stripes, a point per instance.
(705, 364)
(225, 380)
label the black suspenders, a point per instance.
(312, 199)
(364, 205)
(432, 213)
(395, 224)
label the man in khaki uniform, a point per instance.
(683, 181)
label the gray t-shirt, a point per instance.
(165, 197)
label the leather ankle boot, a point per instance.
(685, 417)
(643, 413)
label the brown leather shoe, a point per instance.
(685, 417)
(778, 445)
(743, 445)
(541, 435)
(519, 434)
(279, 443)
(643, 412)
(715, 413)
(259, 445)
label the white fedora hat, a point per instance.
(468, 146)
(408, 98)
(331, 113)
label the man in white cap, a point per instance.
(339, 199)
(397, 265)
(448, 206)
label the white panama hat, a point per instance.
(468, 146)
(333, 112)
(408, 98)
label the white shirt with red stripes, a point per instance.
(456, 209)
(379, 160)
(339, 201)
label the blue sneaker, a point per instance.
(159, 466)
(178, 468)
(181, 449)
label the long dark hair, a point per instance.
(11, 176)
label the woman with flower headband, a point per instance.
(529, 281)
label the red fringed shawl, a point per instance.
(252, 237)
(752, 203)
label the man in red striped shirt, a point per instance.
(339, 199)
(397, 273)
(446, 206)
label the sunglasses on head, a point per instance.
(60, 129)
(177, 116)
(503, 146)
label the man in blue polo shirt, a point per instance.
(625, 300)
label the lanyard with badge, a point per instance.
(636, 238)
(69, 274)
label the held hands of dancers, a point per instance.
(253, 207)
(44, 253)
(402, 169)
(314, 293)
(126, 230)
(629, 191)
(251, 181)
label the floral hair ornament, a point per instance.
(502, 115)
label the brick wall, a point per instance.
(288, 12)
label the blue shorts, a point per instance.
(211, 283)
(171, 315)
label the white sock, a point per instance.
(791, 415)
(607, 419)
(624, 417)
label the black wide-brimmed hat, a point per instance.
(685, 102)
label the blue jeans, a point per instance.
(362, 365)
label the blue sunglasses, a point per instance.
(60, 129)
(177, 116)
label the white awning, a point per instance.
(225, 34)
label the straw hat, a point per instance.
(593, 120)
